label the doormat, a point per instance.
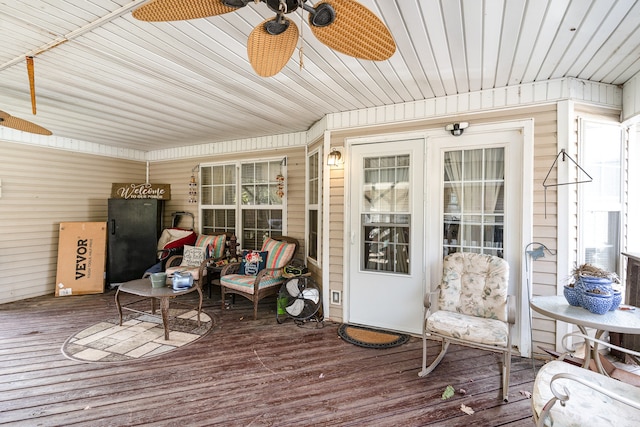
(140, 336)
(371, 338)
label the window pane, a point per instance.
(473, 193)
(385, 223)
(313, 234)
(258, 224)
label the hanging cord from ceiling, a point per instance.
(534, 254)
(301, 48)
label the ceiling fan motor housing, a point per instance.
(274, 5)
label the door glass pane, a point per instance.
(386, 218)
(473, 191)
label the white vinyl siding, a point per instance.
(42, 187)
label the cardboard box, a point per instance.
(82, 251)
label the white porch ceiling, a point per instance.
(101, 76)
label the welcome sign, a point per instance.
(141, 191)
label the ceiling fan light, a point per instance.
(324, 15)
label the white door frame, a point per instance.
(433, 264)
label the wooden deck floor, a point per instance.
(243, 373)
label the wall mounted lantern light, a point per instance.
(334, 158)
(456, 129)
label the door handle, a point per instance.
(353, 237)
(113, 227)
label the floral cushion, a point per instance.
(252, 262)
(475, 285)
(468, 328)
(586, 406)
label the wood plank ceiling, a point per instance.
(102, 76)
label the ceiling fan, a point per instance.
(344, 25)
(10, 121)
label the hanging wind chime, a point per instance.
(193, 187)
(280, 190)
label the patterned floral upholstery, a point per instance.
(475, 329)
(472, 309)
(475, 285)
(585, 406)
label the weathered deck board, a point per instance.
(243, 373)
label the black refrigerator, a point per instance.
(134, 227)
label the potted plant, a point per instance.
(589, 278)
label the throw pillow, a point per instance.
(252, 262)
(192, 256)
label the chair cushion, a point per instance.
(214, 245)
(585, 407)
(469, 328)
(280, 253)
(252, 262)
(475, 284)
(192, 256)
(245, 283)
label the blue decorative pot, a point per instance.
(597, 303)
(590, 283)
(617, 299)
(571, 295)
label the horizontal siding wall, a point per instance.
(544, 228)
(177, 173)
(42, 187)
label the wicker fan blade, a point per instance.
(177, 10)
(269, 53)
(10, 121)
(356, 32)
(32, 83)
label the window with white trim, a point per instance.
(601, 200)
(244, 198)
(313, 205)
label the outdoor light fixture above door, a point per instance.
(456, 129)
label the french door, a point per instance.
(387, 235)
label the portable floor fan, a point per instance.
(298, 298)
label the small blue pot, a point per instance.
(597, 303)
(571, 295)
(590, 283)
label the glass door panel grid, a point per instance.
(386, 219)
(474, 201)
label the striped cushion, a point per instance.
(213, 244)
(245, 283)
(280, 253)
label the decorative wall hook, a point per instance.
(564, 155)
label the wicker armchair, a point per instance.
(281, 250)
(214, 247)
